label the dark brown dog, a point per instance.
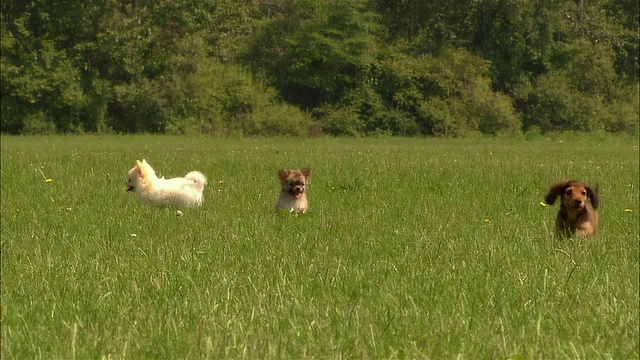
(577, 214)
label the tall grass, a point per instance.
(412, 248)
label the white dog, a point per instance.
(186, 191)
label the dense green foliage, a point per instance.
(307, 67)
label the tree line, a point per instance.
(313, 67)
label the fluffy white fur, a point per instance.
(185, 191)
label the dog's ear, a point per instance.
(593, 196)
(555, 190)
(142, 168)
(306, 172)
(283, 174)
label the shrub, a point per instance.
(447, 94)
(340, 121)
(222, 98)
(314, 60)
(393, 122)
(622, 115)
(277, 120)
(37, 123)
(553, 104)
(41, 88)
(494, 112)
(446, 117)
(138, 107)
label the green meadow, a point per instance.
(412, 248)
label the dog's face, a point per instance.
(294, 182)
(136, 176)
(575, 196)
(132, 179)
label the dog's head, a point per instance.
(574, 193)
(138, 175)
(294, 182)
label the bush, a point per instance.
(494, 112)
(622, 115)
(553, 104)
(340, 121)
(393, 122)
(448, 94)
(591, 69)
(446, 117)
(138, 107)
(221, 98)
(314, 60)
(42, 88)
(37, 124)
(277, 120)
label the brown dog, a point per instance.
(577, 214)
(293, 186)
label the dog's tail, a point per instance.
(198, 178)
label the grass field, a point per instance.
(412, 248)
